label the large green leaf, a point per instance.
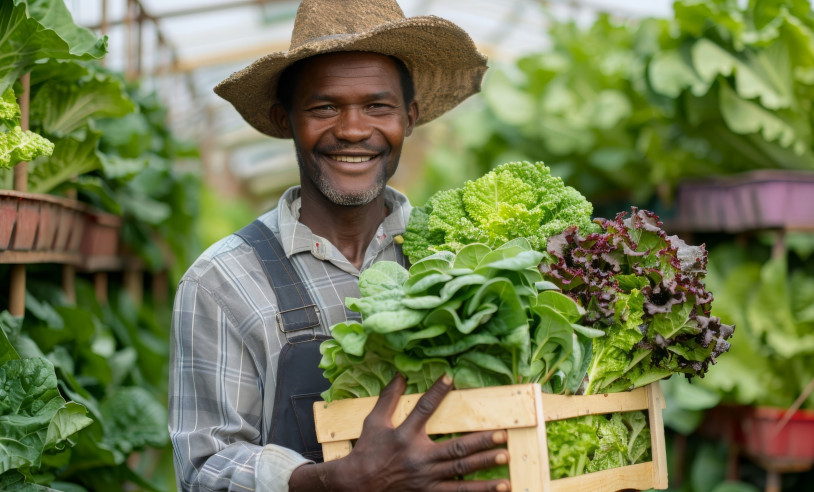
(134, 419)
(34, 418)
(60, 107)
(765, 76)
(35, 30)
(8, 324)
(671, 72)
(72, 156)
(747, 117)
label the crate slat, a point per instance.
(498, 407)
(559, 407)
(655, 400)
(334, 450)
(638, 477)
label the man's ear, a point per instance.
(412, 117)
(279, 117)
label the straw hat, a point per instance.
(445, 64)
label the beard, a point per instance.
(346, 199)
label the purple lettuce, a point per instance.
(645, 289)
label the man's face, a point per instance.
(348, 120)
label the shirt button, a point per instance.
(319, 250)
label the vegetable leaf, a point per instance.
(40, 29)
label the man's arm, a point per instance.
(404, 458)
(215, 404)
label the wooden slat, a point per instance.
(471, 410)
(335, 450)
(658, 446)
(627, 477)
(528, 452)
(525, 465)
(559, 407)
(22, 257)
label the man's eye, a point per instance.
(378, 107)
(325, 108)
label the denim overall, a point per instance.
(299, 378)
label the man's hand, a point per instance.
(404, 458)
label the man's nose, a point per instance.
(353, 125)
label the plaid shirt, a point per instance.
(225, 345)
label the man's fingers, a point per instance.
(461, 447)
(474, 486)
(472, 463)
(427, 404)
(382, 413)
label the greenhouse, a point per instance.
(406, 245)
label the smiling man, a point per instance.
(251, 312)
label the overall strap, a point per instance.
(296, 309)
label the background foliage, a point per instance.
(87, 406)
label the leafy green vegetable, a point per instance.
(33, 416)
(646, 290)
(17, 145)
(71, 157)
(597, 442)
(68, 95)
(34, 30)
(517, 199)
(478, 314)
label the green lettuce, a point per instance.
(17, 145)
(597, 442)
(516, 199)
(484, 315)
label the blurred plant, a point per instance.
(772, 358)
(624, 110)
(111, 361)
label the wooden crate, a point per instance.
(523, 411)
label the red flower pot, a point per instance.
(793, 442)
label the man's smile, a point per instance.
(351, 158)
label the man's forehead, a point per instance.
(340, 72)
(350, 61)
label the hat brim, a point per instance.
(444, 62)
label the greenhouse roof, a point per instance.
(183, 48)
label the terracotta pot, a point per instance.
(724, 422)
(52, 228)
(101, 235)
(25, 230)
(8, 217)
(792, 442)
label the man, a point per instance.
(250, 312)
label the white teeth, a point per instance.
(349, 158)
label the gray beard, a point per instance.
(344, 199)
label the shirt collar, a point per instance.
(297, 237)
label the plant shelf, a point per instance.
(42, 228)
